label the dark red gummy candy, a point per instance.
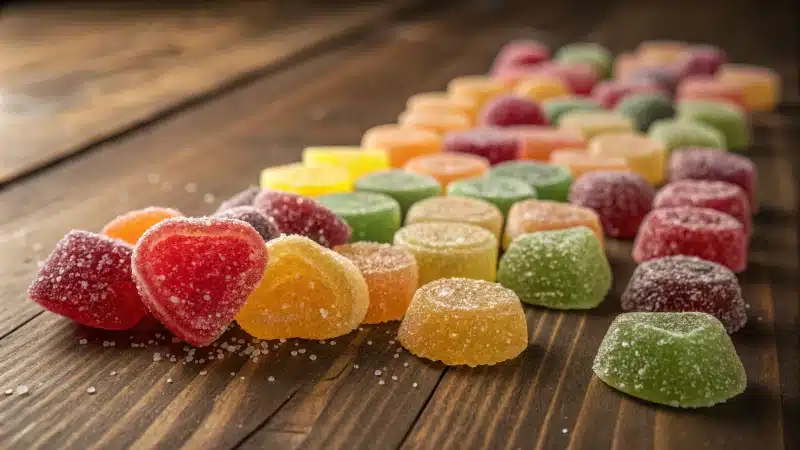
(263, 224)
(87, 278)
(725, 197)
(691, 231)
(620, 199)
(510, 110)
(715, 165)
(295, 214)
(685, 284)
(195, 274)
(496, 145)
(242, 198)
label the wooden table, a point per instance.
(108, 108)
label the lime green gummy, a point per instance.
(373, 217)
(589, 53)
(405, 187)
(674, 133)
(499, 191)
(678, 359)
(550, 182)
(555, 108)
(644, 109)
(562, 269)
(727, 119)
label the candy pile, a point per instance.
(543, 158)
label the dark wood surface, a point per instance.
(170, 149)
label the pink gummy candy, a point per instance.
(520, 53)
(610, 92)
(87, 278)
(496, 145)
(510, 110)
(714, 165)
(580, 79)
(620, 199)
(685, 284)
(702, 60)
(195, 274)
(295, 214)
(691, 231)
(725, 197)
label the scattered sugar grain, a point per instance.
(301, 351)
(271, 378)
(394, 377)
(9, 392)
(203, 372)
(83, 342)
(91, 390)
(208, 198)
(377, 373)
(414, 385)
(169, 380)
(22, 390)
(381, 382)
(113, 372)
(313, 357)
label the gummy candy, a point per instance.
(308, 292)
(538, 142)
(195, 274)
(555, 108)
(644, 109)
(241, 198)
(706, 88)
(295, 214)
(714, 165)
(760, 86)
(725, 118)
(447, 167)
(625, 64)
(502, 192)
(264, 225)
(560, 269)
(580, 78)
(439, 122)
(510, 110)
(358, 161)
(724, 197)
(450, 249)
(691, 231)
(87, 278)
(684, 360)
(702, 60)
(302, 180)
(372, 216)
(662, 51)
(610, 92)
(683, 284)
(457, 209)
(478, 88)
(405, 187)
(642, 155)
(549, 182)
(590, 53)
(442, 102)
(666, 77)
(531, 216)
(401, 143)
(520, 53)
(541, 87)
(685, 133)
(580, 162)
(595, 123)
(391, 274)
(620, 199)
(496, 145)
(463, 321)
(130, 226)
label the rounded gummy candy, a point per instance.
(520, 53)
(719, 195)
(761, 86)
(302, 180)
(580, 162)
(709, 89)
(441, 102)
(241, 198)
(702, 60)
(661, 51)
(539, 142)
(667, 77)
(674, 134)
(496, 145)
(357, 161)
(405, 187)
(644, 109)
(510, 110)
(195, 274)
(541, 87)
(462, 321)
(87, 278)
(595, 123)
(478, 88)
(450, 249)
(560, 269)
(550, 182)
(502, 192)
(580, 78)
(714, 165)
(531, 216)
(264, 225)
(130, 226)
(620, 199)
(391, 274)
(729, 120)
(372, 216)
(295, 214)
(589, 53)
(439, 122)
(556, 108)
(692, 231)
(642, 155)
(447, 166)
(684, 284)
(684, 360)
(308, 292)
(401, 143)
(610, 92)
(473, 211)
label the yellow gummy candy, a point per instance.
(542, 88)
(310, 181)
(478, 88)
(761, 87)
(356, 160)
(442, 102)
(643, 155)
(595, 123)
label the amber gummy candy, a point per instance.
(130, 226)
(401, 143)
(530, 216)
(447, 167)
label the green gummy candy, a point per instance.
(555, 108)
(550, 182)
(562, 269)
(406, 188)
(373, 217)
(589, 53)
(644, 109)
(675, 133)
(678, 359)
(727, 119)
(499, 191)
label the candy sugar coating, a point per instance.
(719, 195)
(496, 145)
(511, 110)
(589, 53)
(684, 284)
(538, 142)
(683, 360)
(439, 122)
(644, 109)
(264, 225)
(446, 167)
(308, 292)
(714, 165)
(561, 269)
(87, 278)
(761, 86)
(130, 226)
(478, 88)
(302, 180)
(195, 274)
(580, 162)
(241, 198)
(610, 92)
(620, 199)
(405, 187)
(450, 249)
(468, 210)
(710, 89)
(556, 108)
(685, 133)
(356, 160)
(295, 214)
(595, 123)
(531, 216)
(702, 60)
(729, 120)
(502, 192)
(391, 274)
(442, 102)
(691, 231)
(372, 216)
(550, 182)
(463, 321)
(520, 53)
(541, 87)
(642, 155)
(401, 143)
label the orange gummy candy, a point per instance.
(437, 121)
(580, 162)
(530, 216)
(442, 102)
(402, 143)
(447, 167)
(130, 226)
(539, 142)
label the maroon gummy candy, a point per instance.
(496, 145)
(295, 214)
(509, 110)
(265, 225)
(610, 92)
(194, 275)
(520, 53)
(87, 278)
(725, 197)
(702, 60)
(686, 284)
(691, 231)
(714, 165)
(242, 198)
(620, 199)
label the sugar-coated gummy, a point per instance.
(510, 110)
(441, 101)
(761, 86)
(550, 182)
(589, 53)
(439, 122)
(680, 359)
(372, 216)
(241, 198)
(357, 161)
(531, 216)
(129, 227)
(447, 166)
(684, 284)
(463, 321)
(610, 92)
(729, 120)
(595, 123)
(540, 88)
(520, 53)
(580, 78)
(473, 211)
(662, 51)
(561, 269)
(401, 143)
(667, 77)
(539, 142)
(724, 197)
(642, 155)
(87, 278)
(685, 133)
(555, 108)
(405, 187)
(496, 145)
(295, 214)
(645, 109)
(502, 192)
(478, 88)
(620, 199)
(714, 165)
(264, 225)
(702, 60)
(709, 89)
(580, 162)
(310, 181)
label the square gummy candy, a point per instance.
(620, 199)
(714, 165)
(442, 102)
(595, 123)
(357, 160)
(302, 180)
(439, 122)
(761, 86)
(401, 143)
(642, 155)
(446, 167)
(580, 162)
(728, 119)
(531, 216)
(372, 216)
(538, 142)
(405, 187)
(685, 133)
